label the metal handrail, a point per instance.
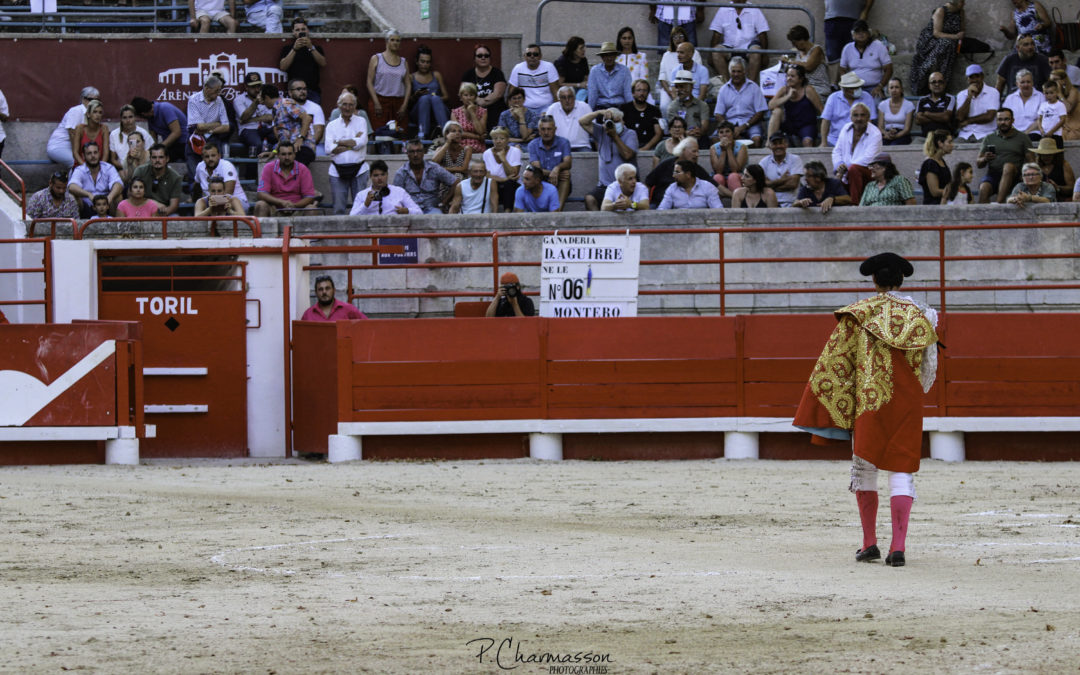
(647, 47)
(31, 231)
(251, 221)
(45, 270)
(19, 196)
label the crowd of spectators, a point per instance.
(507, 142)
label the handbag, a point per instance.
(969, 47)
(1065, 35)
(347, 172)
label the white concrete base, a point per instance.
(947, 446)
(344, 448)
(545, 446)
(122, 451)
(740, 445)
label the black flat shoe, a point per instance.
(895, 559)
(869, 554)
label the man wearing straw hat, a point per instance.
(609, 82)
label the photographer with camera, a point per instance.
(380, 198)
(616, 144)
(509, 300)
(302, 60)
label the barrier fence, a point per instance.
(45, 270)
(18, 195)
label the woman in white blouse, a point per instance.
(895, 115)
(503, 164)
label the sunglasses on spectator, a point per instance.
(483, 56)
(532, 53)
(738, 23)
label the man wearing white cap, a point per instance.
(837, 109)
(609, 82)
(976, 107)
(692, 110)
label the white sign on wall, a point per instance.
(583, 275)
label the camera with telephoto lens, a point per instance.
(609, 124)
(384, 192)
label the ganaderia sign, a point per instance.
(44, 75)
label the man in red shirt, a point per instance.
(327, 307)
(284, 184)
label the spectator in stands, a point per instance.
(868, 58)
(1076, 191)
(298, 92)
(535, 195)
(663, 174)
(838, 106)
(472, 117)
(207, 117)
(669, 65)
(93, 129)
(551, 156)
(476, 195)
(753, 194)
(63, 136)
(503, 164)
(741, 102)
(840, 18)
(1056, 60)
(217, 201)
(255, 121)
(671, 18)
(99, 206)
(887, 187)
(94, 177)
(303, 60)
(389, 84)
(821, 190)
(937, 109)
(168, 125)
(327, 307)
(1055, 169)
(693, 111)
(4, 113)
(938, 43)
(636, 62)
(1030, 19)
(728, 157)
(626, 193)
(567, 112)
(1002, 153)
(857, 145)
(811, 58)
(610, 83)
(1052, 113)
(53, 201)
(292, 125)
(537, 77)
(976, 107)
(742, 29)
(204, 12)
(128, 143)
(783, 170)
(265, 14)
(379, 198)
(346, 143)
(934, 175)
(959, 192)
(1025, 103)
(1070, 96)
(452, 155)
(520, 121)
(165, 185)
(137, 205)
(489, 81)
(1024, 58)
(429, 99)
(573, 69)
(615, 144)
(643, 117)
(688, 191)
(795, 107)
(1033, 189)
(509, 300)
(895, 116)
(666, 148)
(213, 164)
(424, 180)
(285, 183)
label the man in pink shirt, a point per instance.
(327, 307)
(284, 184)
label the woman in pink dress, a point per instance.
(471, 117)
(137, 205)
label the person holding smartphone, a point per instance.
(1002, 153)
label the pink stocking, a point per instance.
(901, 512)
(868, 505)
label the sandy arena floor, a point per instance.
(629, 567)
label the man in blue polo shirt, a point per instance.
(167, 123)
(535, 194)
(551, 154)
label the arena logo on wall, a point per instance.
(183, 82)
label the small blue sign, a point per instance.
(409, 256)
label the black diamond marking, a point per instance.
(172, 324)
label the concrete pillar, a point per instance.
(344, 448)
(545, 446)
(740, 445)
(122, 451)
(947, 446)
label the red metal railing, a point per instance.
(31, 230)
(18, 195)
(45, 270)
(251, 222)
